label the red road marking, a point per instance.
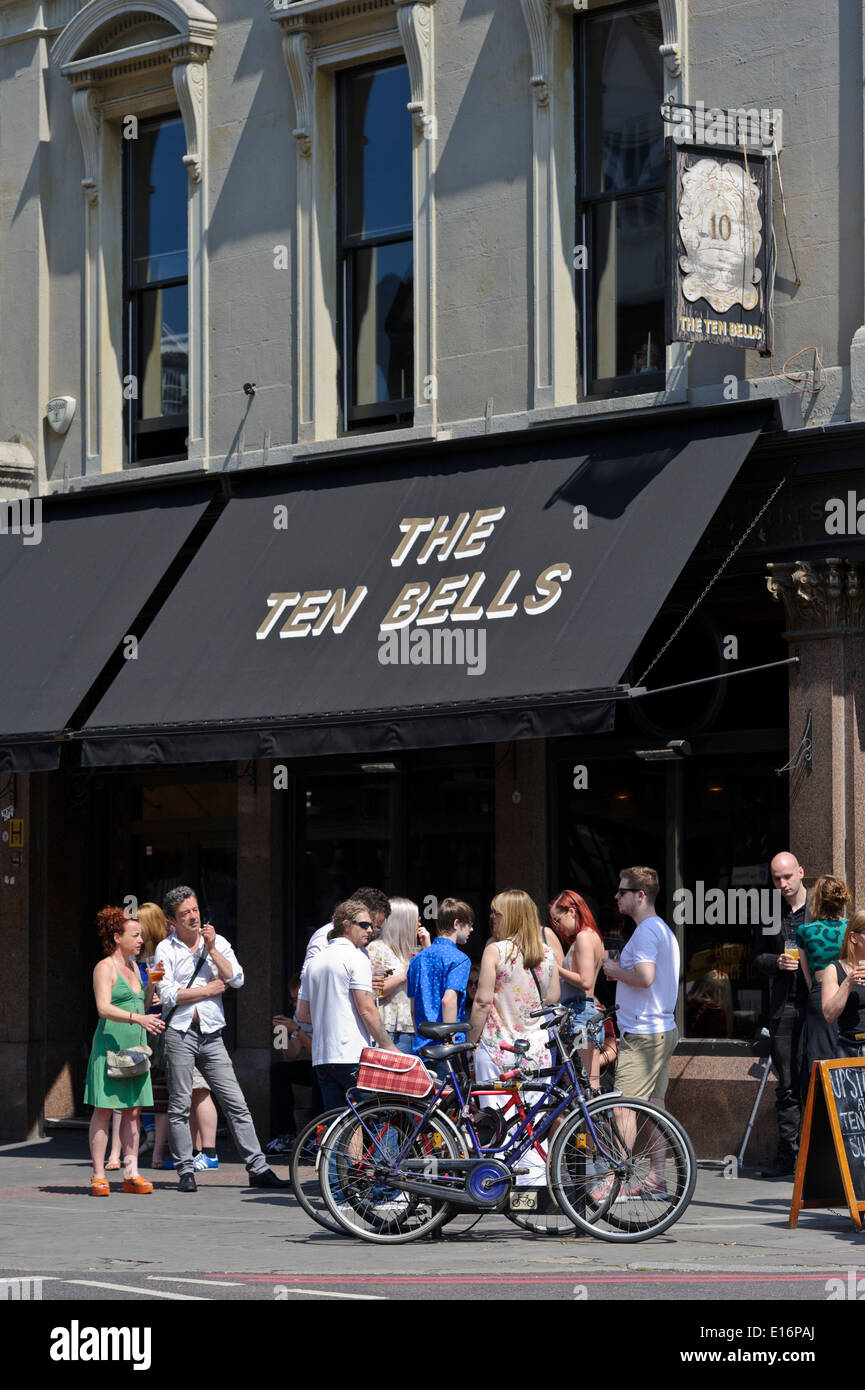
(578, 1276)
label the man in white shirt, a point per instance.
(647, 973)
(193, 1036)
(336, 997)
(374, 900)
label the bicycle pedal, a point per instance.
(520, 1172)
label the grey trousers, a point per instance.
(183, 1051)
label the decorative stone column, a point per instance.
(824, 606)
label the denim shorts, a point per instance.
(583, 1010)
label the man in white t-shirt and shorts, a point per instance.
(336, 997)
(647, 975)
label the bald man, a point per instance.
(788, 997)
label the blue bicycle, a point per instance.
(394, 1169)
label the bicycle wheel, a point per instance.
(631, 1185)
(355, 1171)
(302, 1169)
(541, 1214)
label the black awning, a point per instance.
(70, 593)
(499, 594)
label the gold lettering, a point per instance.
(462, 610)
(440, 600)
(442, 537)
(413, 526)
(405, 607)
(481, 527)
(277, 604)
(499, 608)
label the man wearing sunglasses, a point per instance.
(336, 997)
(647, 976)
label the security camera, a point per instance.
(249, 388)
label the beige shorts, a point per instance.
(643, 1065)
(198, 1081)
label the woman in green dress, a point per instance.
(123, 1021)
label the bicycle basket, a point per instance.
(393, 1071)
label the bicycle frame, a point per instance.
(518, 1144)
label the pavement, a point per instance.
(729, 1258)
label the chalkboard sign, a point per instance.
(831, 1164)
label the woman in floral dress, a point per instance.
(518, 973)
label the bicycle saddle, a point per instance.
(440, 1030)
(441, 1052)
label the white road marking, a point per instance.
(325, 1293)
(130, 1288)
(221, 1283)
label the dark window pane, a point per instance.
(628, 286)
(383, 317)
(378, 143)
(623, 131)
(158, 203)
(163, 338)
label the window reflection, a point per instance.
(377, 249)
(156, 285)
(622, 200)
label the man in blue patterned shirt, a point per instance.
(437, 976)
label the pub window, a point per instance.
(156, 301)
(376, 247)
(621, 200)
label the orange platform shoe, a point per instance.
(137, 1184)
(99, 1187)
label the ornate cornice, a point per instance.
(80, 50)
(17, 471)
(320, 14)
(821, 598)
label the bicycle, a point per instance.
(307, 1188)
(392, 1171)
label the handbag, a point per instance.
(126, 1062)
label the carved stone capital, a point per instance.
(538, 15)
(88, 118)
(297, 51)
(188, 79)
(821, 598)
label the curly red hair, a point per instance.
(583, 913)
(111, 922)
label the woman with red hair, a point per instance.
(123, 1022)
(578, 946)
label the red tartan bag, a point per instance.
(393, 1071)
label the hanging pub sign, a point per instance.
(721, 252)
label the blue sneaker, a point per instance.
(201, 1161)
